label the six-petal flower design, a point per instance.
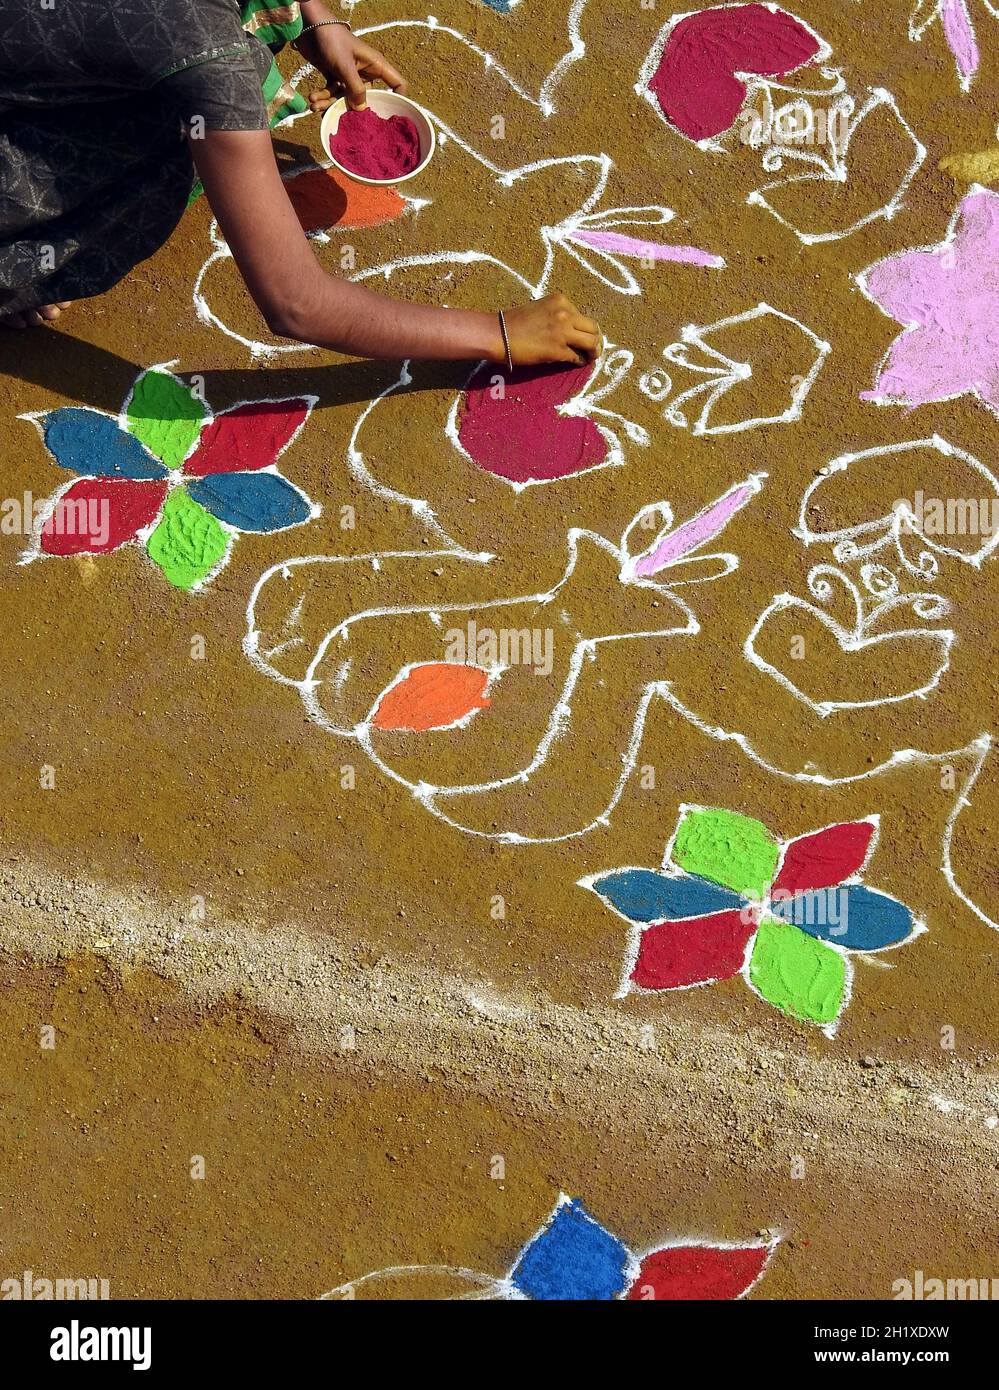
(170, 476)
(573, 1258)
(732, 898)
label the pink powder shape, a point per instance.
(521, 437)
(695, 83)
(703, 527)
(650, 250)
(948, 301)
(376, 147)
(960, 36)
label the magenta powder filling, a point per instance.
(375, 147)
(518, 432)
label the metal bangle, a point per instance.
(506, 342)
(319, 24)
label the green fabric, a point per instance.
(275, 31)
(294, 106)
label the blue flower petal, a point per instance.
(855, 917)
(645, 896)
(93, 445)
(252, 501)
(573, 1257)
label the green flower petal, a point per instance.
(797, 974)
(165, 416)
(735, 851)
(188, 543)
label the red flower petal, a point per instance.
(246, 438)
(693, 950)
(698, 1271)
(825, 858)
(99, 514)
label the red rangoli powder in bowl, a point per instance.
(376, 148)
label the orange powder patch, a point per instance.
(324, 198)
(433, 696)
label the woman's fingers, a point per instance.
(354, 87)
(589, 343)
(375, 65)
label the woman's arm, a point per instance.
(300, 300)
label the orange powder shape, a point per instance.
(433, 696)
(325, 198)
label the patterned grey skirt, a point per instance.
(84, 200)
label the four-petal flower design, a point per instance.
(170, 476)
(732, 898)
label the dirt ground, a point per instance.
(306, 983)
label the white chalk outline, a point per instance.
(728, 373)
(889, 528)
(975, 191)
(925, 605)
(668, 869)
(489, 1287)
(171, 477)
(863, 542)
(837, 168)
(544, 100)
(978, 747)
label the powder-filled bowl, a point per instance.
(384, 104)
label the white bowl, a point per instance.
(383, 104)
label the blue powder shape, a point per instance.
(251, 501)
(93, 445)
(572, 1258)
(501, 6)
(872, 920)
(644, 896)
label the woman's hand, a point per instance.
(348, 65)
(551, 330)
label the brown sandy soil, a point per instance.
(181, 782)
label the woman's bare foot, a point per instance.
(33, 318)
